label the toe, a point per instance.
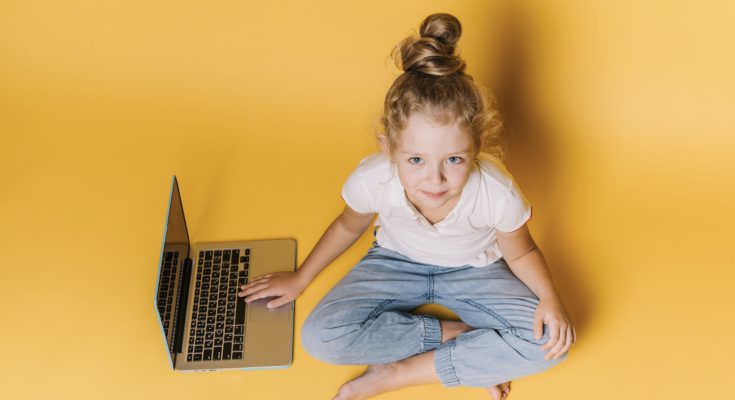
(494, 392)
(505, 388)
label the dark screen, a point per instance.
(175, 251)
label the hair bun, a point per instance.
(434, 52)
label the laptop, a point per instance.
(205, 325)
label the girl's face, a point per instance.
(434, 162)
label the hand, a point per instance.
(286, 286)
(562, 334)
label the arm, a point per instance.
(341, 234)
(527, 263)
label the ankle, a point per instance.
(452, 329)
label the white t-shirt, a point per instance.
(490, 201)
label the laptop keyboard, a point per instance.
(166, 287)
(217, 330)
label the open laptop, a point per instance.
(205, 325)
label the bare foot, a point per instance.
(452, 329)
(375, 380)
(499, 392)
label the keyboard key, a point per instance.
(237, 355)
(217, 353)
(207, 355)
(237, 347)
(240, 312)
(226, 351)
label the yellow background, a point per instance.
(622, 138)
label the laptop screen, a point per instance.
(174, 252)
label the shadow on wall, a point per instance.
(531, 155)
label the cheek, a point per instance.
(458, 176)
(409, 179)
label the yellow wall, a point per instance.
(621, 139)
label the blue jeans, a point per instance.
(364, 319)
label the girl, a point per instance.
(451, 230)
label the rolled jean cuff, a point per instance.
(443, 365)
(432, 333)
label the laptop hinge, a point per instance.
(182, 297)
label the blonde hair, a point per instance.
(434, 83)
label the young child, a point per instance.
(451, 230)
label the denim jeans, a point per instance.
(364, 319)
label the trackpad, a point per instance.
(259, 313)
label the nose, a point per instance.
(436, 175)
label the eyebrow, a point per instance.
(453, 152)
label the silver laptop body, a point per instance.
(205, 326)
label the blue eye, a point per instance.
(457, 160)
(411, 160)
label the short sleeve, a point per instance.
(356, 195)
(512, 211)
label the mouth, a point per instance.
(434, 195)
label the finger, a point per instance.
(568, 344)
(564, 343)
(574, 331)
(254, 281)
(555, 351)
(252, 290)
(260, 295)
(538, 327)
(553, 335)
